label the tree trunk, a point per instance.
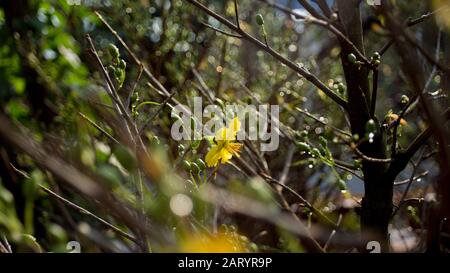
(378, 187)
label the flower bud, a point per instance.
(259, 19)
(352, 58)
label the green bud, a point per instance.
(405, 99)
(352, 58)
(371, 126)
(195, 168)
(259, 19)
(304, 147)
(341, 185)
(334, 17)
(341, 88)
(186, 165)
(376, 56)
(181, 149)
(311, 161)
(323, 141)
(122, 64)
(113, 51)
(323, 151)
(112, 70)
(201, 164)
(254, 247)
(117, 73)
(357, 163)
(355, 137)
(316, 152)
(304, 133)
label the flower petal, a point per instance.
(235, 126)
(234, 148)
(225, 155)
(213, 156)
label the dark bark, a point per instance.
(377, 202)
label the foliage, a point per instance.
(87, 155)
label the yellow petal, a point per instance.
(225, 155)
(234, 148)
(219, 243)
(212, 157)
(221, 134)
(235, 126)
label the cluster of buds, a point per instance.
(118, 66)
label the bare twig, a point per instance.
(415, 178)
(160, 108)
(306, 74)
(98, 127)
(373, 99)
(87, 212)
(6, 244)
(323, 22)
(411, 23)
(221, 31)
(411, 179)
(368, 158)
(133, 89)
(236, 12)
(307, 113)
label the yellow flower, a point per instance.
(225, 146)
(218, 243)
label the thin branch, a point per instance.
(396, 124)
(271, 181)
(311, 9)
(87, 212)
(411, 179)
(338, 165)
(398, 30)
(221, 31)
(324, 8)
(323, 23)
(69, 174)
(418, 142)
(98, 127)
(327, 244)
(160, 107)
(3, 248)
(236, 12)
(287, 164)
(368, 158)
(305, 202)
(6, 244)
(136, 82)
(373, 99)
(246, 206)
(342, 132)
(411, 23)
(306, 74)
(111, 89)
(147, 72)
(415, 178)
